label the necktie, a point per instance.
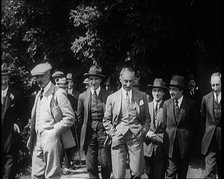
(127, 99)
(176, 107)
(95, 96)
(41, 93)
(216, 98)
(156, 108)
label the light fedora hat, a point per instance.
(177, 81)
(94, 71)
(5, 70)
(158, 83)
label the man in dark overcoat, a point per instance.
(14, 118)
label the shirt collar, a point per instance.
(219, 96)
(129, 93)
(4, 92)
(154, 103)
(97, 90)
(180, 100)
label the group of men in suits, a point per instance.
(155, 137)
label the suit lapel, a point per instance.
(87, 104)
(171, 109)
(135, 100)
(7, 102)
(152, 115)
(182, 110)
(118, 100)
(210, 104)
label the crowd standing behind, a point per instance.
(155, 136)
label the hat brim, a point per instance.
(161, 87)
(89, 74)
(178, 86)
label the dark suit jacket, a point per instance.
(182, 128)
(212, 127)
(83, 111)
(14, 112)
(158, 128)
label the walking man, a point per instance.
(126, 120)
(179, 116)
(51, 118)
(211, 115)
(14, 118)
(154, 153)
(91, 107)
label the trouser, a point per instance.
(46, 156)
(213, 161)
(9, 153)
(177, 165)
(96, 153)
(155, 167)
(131, 146)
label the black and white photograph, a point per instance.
(119, 89)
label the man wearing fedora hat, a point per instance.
(179, 116)
(51, 118)
(91, 106)
(14, 118)
(154, 147)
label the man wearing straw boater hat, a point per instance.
(153, 147)
(179, 116)
(14, 118)
(91, 105)
(51, 117)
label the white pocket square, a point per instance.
(141, 102)
(12, 105)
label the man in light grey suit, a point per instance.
(126, 120)
(51, 119)
(154, 147)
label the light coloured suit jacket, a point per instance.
(211, 125)
(158, 128)
(63, 114)
(113, 111)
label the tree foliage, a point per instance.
(153, 36)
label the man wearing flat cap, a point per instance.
(51, 117)
(178, 115)
(58, 75)
(72, 86)
(91, 106)
(14, 118)
(154, 147)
